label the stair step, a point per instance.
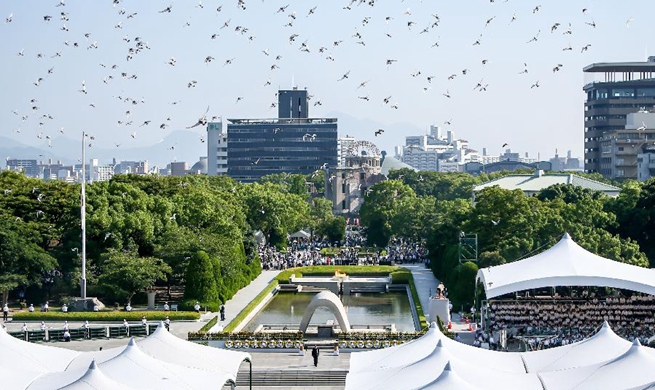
(290, 378)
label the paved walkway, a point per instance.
(425, 282)
(244, 296)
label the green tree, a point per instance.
(381, 204)
(200, 280)
(22, 261)
(124, 273)
(334, 229)
(462, 292)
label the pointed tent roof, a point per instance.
(162, 345)
(602, 347)
(425, 371)
(449, 380)
(140, 370)
(396, 356)
(19, 354)
(631, 370)
(565, 264)
(95, 379)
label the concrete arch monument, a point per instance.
(331, 301)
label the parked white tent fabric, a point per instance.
(602, 347)
(633, 369)
(95, 379)
(565, 264)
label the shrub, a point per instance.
(200, 280)
(329, 270)
(190, 303)
(105, 316)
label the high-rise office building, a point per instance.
(626, 88)
(292, 143)
(29, 167)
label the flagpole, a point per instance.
(83, 218)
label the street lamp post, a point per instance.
(83, 218)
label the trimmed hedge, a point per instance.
(190, 303)
(104, 316)
(209, 325)
(251, 306)
(329, 270)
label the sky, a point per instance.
(77, 92)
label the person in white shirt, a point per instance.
(43, 325)
(144, 321)
(31, 308)
(166, 307)
(128, 307)
(67, 336)
(87, 329)
(46, 307)
(96, 308)
(24, 327)
(5, 312)
(64, 308)
(65, 325)
(167, 322)
(196, 307)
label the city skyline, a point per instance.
(232, 70)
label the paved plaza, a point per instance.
(270, 367)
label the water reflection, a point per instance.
(362, 309)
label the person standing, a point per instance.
(222, 311)
(315, 354)
(87, 329)
(196, 307)
(5, 312)
(167, 322)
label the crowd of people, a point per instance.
(307, 252)
(552, 322)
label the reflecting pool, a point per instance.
(362, 309)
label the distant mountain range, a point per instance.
(187, 146)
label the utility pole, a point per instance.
(83, 218)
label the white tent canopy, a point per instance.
(163, 346)
(602, 347)
(300, 234)
(94, 379)
(565, 264)
(424, 363)
(164, 362)
(631, 370)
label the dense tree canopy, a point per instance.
(508, 225)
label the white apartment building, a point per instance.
(216, 149)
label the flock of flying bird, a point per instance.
(137, 45)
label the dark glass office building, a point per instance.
(291, 143)
(627, 87)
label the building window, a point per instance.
(623, 92)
